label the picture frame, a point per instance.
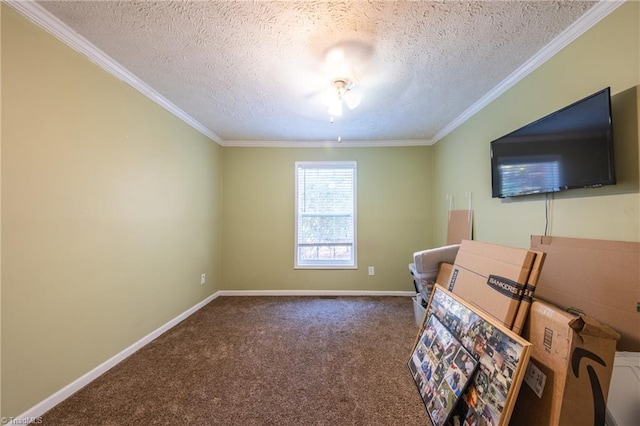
(493, 365)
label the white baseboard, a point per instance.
(47, 404)
(314, 293)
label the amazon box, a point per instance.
(569, 372)
(496, 279)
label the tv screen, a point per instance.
(570, 148)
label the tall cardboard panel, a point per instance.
(598, 277)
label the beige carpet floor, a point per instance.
(264, 361)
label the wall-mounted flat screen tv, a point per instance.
(570, 148)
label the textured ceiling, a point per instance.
(255, 70)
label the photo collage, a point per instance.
(441, 368)
(497, 353)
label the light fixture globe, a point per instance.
(341, 89)
(352, 98)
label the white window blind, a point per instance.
(325, 214)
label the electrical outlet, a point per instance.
(372, 271)
(203, 279)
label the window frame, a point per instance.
(330, 264)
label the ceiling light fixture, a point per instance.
(342, 89)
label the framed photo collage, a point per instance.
(466, 364)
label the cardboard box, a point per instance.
(444, 273)
(528, 293)
(569, 372)
(598, 277)
(493, 278)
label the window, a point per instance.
(325, 214)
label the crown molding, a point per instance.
(326, 144)
(575, 30)
(44, 19)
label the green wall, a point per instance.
(606, 55)
(110, 213)
(393, 218)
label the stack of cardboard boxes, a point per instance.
(568, 377)
(599, 281)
